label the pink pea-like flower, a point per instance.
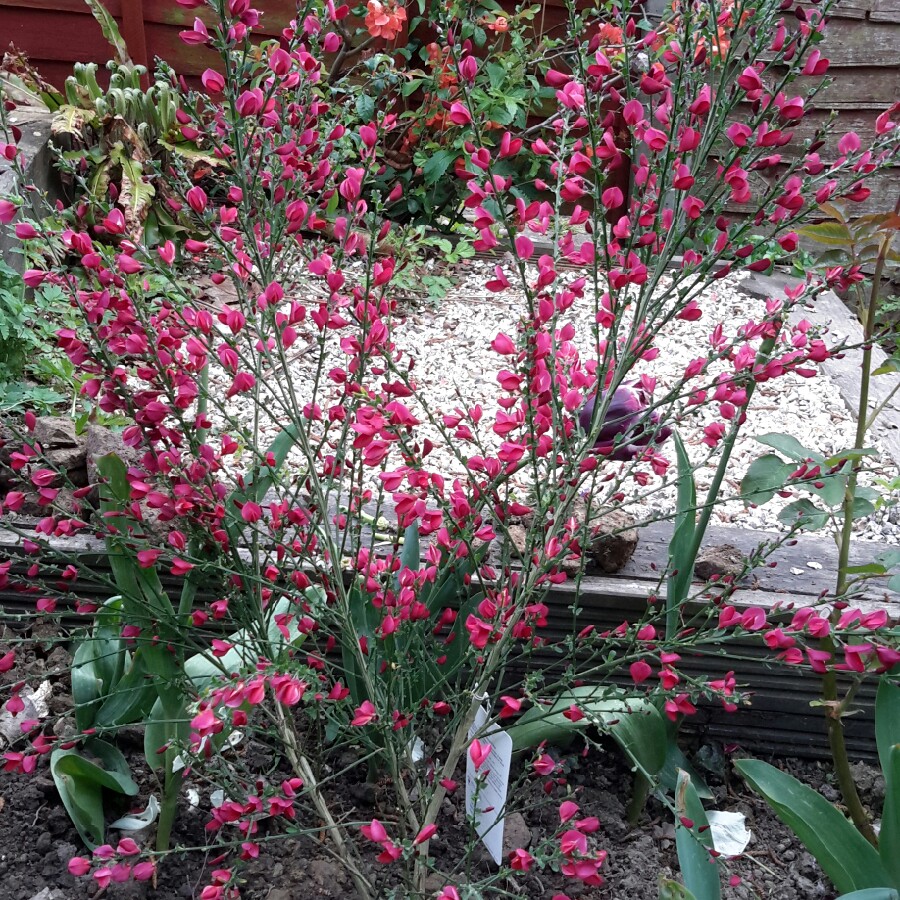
(364, 714)
(375, 832)
(567, 810)
(459, 115)
(479, 752)
(640, 671)
(143, 871)
(213, 81)
(425, 834)
(520, 860)
(197, 199)
(503, 344)
(79, 865)
(8, 211)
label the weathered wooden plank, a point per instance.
(845, 9)
(72, 6)
(71, 36)
(854, 42)
(859, 42)
(855, 87)
(886, 11)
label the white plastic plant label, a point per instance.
(729, 832)
(494, 775)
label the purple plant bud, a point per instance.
(627, 426)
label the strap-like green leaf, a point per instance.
(682, 549)
(845, 856)
(693, 841)
(887, 724)
(889, 836)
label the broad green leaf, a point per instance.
(831, 234)
(889, 836)
(637, 726)
(805, 513)
(131, 698)
(888, 367)
(80, 777)
(87, 685)
(834, 211)
(845, 856)
(832, 491)
(409, 555)
(699, 869)
(672, 890)
(764, 478)
(788, 446)
(437, 165)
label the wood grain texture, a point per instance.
(885, 11)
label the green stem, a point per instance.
(169, 806)
(835, 710)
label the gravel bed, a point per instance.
(455, 367)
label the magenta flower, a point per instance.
(628, 427)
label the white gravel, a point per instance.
(456, 367)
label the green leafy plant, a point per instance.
(836, 497)
(34, 374)
(846, 856)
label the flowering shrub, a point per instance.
(340, 592)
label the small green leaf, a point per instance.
(437, 165)
(845, 856)
(804, 513)
(365, 107)
(672, 890)
(764, 478)
(789, 446)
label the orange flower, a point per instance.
(385, 20)
(610, 35)
(500, 25)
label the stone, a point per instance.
(614, 542)
(327, 873)
(99, 442)
(716, 563)
(614, 539)
(52, 432)
(516, 833)
(48, 894)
